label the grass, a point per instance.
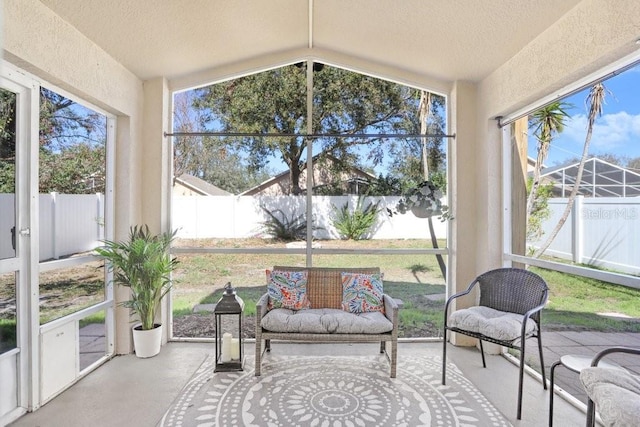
(8, 338)
(200, 277)
(580, 302)
(574, 302)
(419, 314)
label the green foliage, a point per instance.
(547, 123)
(539, 211)
(385, 186)
(143, 264)
(281, 227)
(7, 141)
(356, 223)
(407, 162)
(72, 146)
(76, 169)
(7, 176)
(64, 123)
(210, 158)
(344, 102)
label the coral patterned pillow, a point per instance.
(362, 293)
(287, 289)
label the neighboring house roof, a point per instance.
(199, 186)
(282, 179)
(599, 179)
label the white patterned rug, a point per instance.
(332, 391)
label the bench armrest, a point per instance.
(391, 309)
(262, 306)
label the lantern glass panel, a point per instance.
(229, 341)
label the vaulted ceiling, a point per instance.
(446, 40)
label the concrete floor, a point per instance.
(130, 391)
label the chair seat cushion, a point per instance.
(616, 394)
(492, 323)
(325, 321)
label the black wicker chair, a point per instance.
(518, 296)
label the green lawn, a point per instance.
(574, 302)
(579, 302)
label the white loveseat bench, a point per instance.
(325, 318)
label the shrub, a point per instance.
(355, 224)
(281, 227)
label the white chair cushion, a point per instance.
(616, 394)
(491, 323)
(325, 321)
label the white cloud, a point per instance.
(610, 132)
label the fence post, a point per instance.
(577, 230)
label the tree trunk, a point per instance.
(596, 100)
(294, 179)
(425, 109)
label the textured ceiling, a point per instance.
(443, 39)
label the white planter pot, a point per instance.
(147, 343)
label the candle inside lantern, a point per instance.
(235, 348)
(226, 347)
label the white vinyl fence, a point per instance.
(600, 231)
(69, 224)
(242, 216)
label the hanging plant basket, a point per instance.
(424, 212)
(423, 201)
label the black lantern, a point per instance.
(229, 343)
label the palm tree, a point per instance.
(548, 122)
(595, 101)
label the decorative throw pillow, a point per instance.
(287, 289)
(362, 293)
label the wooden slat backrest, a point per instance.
(324, 284)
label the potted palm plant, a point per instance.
(143, 264)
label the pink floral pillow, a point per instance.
(362, 293)
(287, 289)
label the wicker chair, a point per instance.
(508, 312)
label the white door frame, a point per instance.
(23, 264)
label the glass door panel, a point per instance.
(10, 351)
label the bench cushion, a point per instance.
(325, 321)
(616, 394)
(490, 322)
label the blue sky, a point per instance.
(617, 131)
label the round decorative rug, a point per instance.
(332, 391)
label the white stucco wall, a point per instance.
(593, 35)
